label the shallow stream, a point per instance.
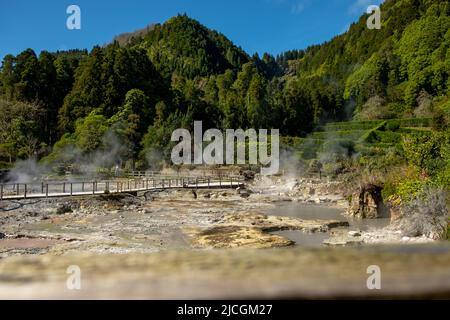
(313, 211)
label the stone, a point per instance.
(248, 175)
(354, 233)
(2, 235)
(341, 237)
(64, 208)
(244, 193)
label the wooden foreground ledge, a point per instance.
(408, 271)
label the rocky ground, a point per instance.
(148, 223)
(165, 238)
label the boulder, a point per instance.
(243, 192)
(341, 237)
(64, 208)
(248, 175)
(354, 233)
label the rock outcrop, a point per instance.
(251, 230)
(221, 237)
(367, 203)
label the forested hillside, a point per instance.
(131, 94)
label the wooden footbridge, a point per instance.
(54, 189)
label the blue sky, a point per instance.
(259, 26)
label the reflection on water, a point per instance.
(304, 239)
(313, 211)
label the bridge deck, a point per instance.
(86, 188)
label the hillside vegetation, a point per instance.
(365, 101)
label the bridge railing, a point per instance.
(72, 188)
(158, 174)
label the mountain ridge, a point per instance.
(170, 74)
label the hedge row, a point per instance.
(371, 124)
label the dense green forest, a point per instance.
(130, 95)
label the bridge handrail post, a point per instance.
(18, 186)
(93, 187)
(64, 187)
(71, 189)
(46, 190)
(25, 191)
(1, 191)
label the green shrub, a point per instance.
(410, 188)
(388, 137)
(414, 122)
(415, 131)
(393, 125)
(389, 189)
(352, 125)
(289, 141)
(343, 134)
(448, 230)
(443, 177)
(5, 165)
(398, 109)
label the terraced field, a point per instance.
(364, 137)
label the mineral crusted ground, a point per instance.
(129, 247)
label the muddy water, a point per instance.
(27, 243)
(313, 211)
